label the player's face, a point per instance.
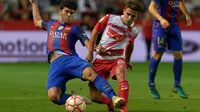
(67, 15)
(129, 16)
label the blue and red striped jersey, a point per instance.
(168, 9)
(63, 37)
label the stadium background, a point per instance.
(23, 79)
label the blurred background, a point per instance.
(20, 39)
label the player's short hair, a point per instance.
(136, 5)
(71, 4)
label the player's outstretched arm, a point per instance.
(93, 38)
(92, 42)
(36, 14)
(128, 53)
(185, 12)
(89, 56)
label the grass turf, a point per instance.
(23, 89)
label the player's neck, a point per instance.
(62, 22)
(122, 19)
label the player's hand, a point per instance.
(189, 20)
(129, 67)
(165, 24)
(89, 56)
(102, 50)
(32, 1)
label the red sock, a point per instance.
(123, 90)
(105, 100)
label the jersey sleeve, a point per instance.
(46, 24)
(101, 24)
(81, 35)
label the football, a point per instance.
(75, 103)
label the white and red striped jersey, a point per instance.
(115, 35)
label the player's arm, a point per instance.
(128, 52)
(99, 27)
(153, 10)
(93, 38)
(87, 44)
(83, 38)
(91, 45)
(185, 12)
(36, 14)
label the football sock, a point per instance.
(153, 69)
(63, 99)
(105, 100)
(103, 86)
(177, 69)
(123, 90)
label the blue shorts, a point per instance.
(64, 69)
(166, 38)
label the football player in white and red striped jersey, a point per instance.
(114, 51)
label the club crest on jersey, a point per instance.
(60, 27)
(173, 3)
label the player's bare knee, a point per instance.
(54, 94)
(53, 97)
(121, 77)
(89, 74)
(177, 55)
(157, 55)
(121, 73)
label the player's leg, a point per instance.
(176, 46)
(82, 69)
(159, 42)
(98, 97)
(56, 84)
(153, 66)
(120, 71)
(103, 86)
(177, 69)
(95, 94)
(57, 96)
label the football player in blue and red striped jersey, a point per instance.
(65, 64)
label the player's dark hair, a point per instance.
(71, 4)
(136, 5)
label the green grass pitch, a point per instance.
(22, 89)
